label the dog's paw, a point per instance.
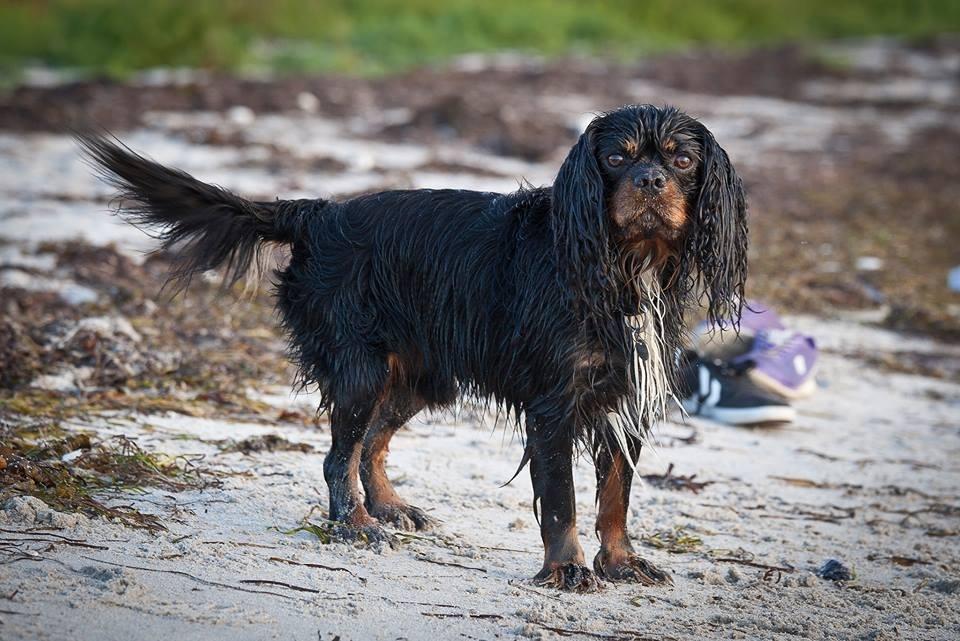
(371, 535)
(633, 569)
(403, 516)
(571, 577)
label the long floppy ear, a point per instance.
(718, 239)
(579, 225)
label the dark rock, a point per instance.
(834, 570)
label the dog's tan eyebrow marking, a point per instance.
(669, 144)
(630, 146)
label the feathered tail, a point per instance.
(205, 226)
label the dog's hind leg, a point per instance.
(616, 559)
(551, 470)
(382, 501)
(354, 403)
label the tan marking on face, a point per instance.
(669, 145)
(628, 204)
(631, 148)
(643, 248)
(675, 206)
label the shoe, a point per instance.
(724, 343)
(715, 391)
(780, 361)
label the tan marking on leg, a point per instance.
(612, 513)
(375, 482)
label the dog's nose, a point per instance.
(650, 179)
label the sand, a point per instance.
(858, 478)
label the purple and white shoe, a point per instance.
(781, 361)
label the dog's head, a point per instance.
(650, 188)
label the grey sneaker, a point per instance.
(715, 391)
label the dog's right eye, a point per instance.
(614, 160)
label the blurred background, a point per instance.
(116, 38)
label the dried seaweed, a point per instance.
(670, 481)
(896, 559)
(615, 635)
(266, 443)
(819, 485)
(319, 566)
(73, 473)
(323, 531)
(677, 541)
(451, 564)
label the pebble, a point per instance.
(869, 264)
(946, 586)
(953, 279)
(240, 115)
(833, 570)
(308, 102)
(29, 510)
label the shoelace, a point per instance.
(779, 341)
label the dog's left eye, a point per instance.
(682, 162)
(614, 160)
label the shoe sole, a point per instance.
(805, 390)
(764, 414)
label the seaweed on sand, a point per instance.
(75, 473)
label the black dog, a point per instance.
(563, 306)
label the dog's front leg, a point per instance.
(616, 559)
(551, 469)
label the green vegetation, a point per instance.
(117, 37)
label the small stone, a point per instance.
(834, 570)
(530, 631)
(73, 294)
(734, 575)
(308, 102)
(240, 115)
(953, 279)
(946, 586)
(710, 577)
(29, 510)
